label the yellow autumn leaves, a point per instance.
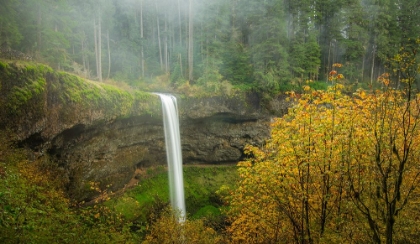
(338, 168)
(334, 75)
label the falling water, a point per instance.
(173, 153)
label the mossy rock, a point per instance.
(30, 93)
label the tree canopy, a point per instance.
(272, 45)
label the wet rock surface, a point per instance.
(100, 135)
(109, 153)
(216, 129)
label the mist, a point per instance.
(272, 43)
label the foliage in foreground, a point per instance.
(151, 194)
(167, 229)
(35, 209)
(337, 169)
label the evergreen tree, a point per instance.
(356, 40)
(269, 44)
(10, 34)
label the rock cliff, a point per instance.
(215, 130)
(99, 134)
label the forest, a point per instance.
(269, 45)
(342, 166)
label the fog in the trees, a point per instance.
(274, 45)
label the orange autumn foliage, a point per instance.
(338, 168)
(167, 229)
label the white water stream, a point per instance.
(173, 153)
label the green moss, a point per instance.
(200, 185)
(74, 90)
(143, 96)
(92, 95)
(20, 96)
(117, 100)
(147, 102)
(38, 86)
(3, 66)
(45, 69)
(32, 70)
(27, 84)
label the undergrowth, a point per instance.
(35, 208)
(151, 195)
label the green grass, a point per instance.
(319, 85)
(206, 211)
(201, 183)
(200, 186)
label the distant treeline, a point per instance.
(271, 45)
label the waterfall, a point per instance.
(173, 153)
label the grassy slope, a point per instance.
(200, 184)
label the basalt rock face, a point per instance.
(107, 155)
(96, 133)
(215, 130)
(99, 134)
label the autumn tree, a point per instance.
(297, 176)
(337, 168)
(166, 228)
(391, 119)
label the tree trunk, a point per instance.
(179, 24)
(328, 62)
(363, 68)
(96, 46)
(83, 54)
(373, 65)
(39, 33)
(165, 50)
(109, 55)
(190, 43)
(158, 36)
(180, 65)
(99, 50)
(389, 224)
(142, 36)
